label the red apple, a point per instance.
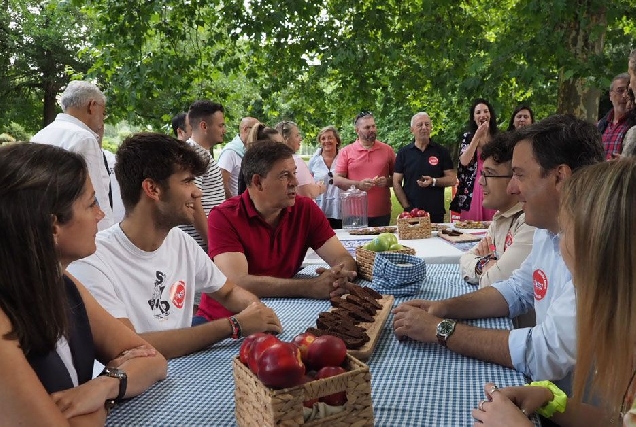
(259, 345)
(418, 213)
(405, 215)
(335, 399)
(326, 350)
(308, 403)
(303, 341)
(244, 352)
(280, 366)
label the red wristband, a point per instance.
(236, 327)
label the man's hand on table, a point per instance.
(257, 317)
(413, 320)
(435, 308)
(332, 281)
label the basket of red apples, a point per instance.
(311, 381)
(415, 224)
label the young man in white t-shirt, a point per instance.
(146, 270)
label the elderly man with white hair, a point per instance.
(422, 170)
(77, 129)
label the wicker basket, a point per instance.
(414, 228)
(365, 259)
(258, 405)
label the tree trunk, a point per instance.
(585, 39)
(49, 113)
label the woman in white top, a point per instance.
(306, 185)
(322, 166)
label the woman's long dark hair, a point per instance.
(472, 126)
(38, 184)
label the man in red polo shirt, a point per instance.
(368, 164)
(259, 238)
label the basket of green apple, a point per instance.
(365, 255)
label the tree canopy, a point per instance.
(319, 63)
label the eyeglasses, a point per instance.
(361, 115)
(619, 90)
(485, 176)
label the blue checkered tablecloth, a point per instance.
(413, 384)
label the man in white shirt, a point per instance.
(232, 156)
(146, 271)
(76, 129)
(208, 129)
(545, 155)
(509, 239)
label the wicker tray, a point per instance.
(365, 259)
(258, 405)
(414, 228)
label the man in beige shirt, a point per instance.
(509, 239)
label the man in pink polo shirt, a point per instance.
(259, 238)
(368, 165)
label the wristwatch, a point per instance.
(434, 182)
(445, 329)
(123, 382)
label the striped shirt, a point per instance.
(211, 185)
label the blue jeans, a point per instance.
(198, 320)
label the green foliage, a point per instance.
(38, 57)
(17, 132)
(317, 63)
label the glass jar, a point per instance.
(353, 208)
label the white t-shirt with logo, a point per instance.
(154, 290)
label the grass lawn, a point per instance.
(396, 208)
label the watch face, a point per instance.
(445, 327)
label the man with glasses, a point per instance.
(544, 157)
(232, 156)
(616, 122)
(426, 168)
(509, 239)
(368, 165)
(77, 129)
(259, 239)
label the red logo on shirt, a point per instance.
(508, 240)
(433, 161)
(178, 293)
(540, 281)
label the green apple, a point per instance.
(380, 244)
(387, 240)
(396, 247)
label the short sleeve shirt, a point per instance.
(413, 163)
(357, 163)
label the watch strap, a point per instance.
(123, 381)
(442, 338)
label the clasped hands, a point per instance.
(509, 406)
(378, 181)
(417, 319)
(332, 281)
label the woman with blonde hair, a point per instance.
(306, 185)
(598, 207)
(52, 329)
(322, 167)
